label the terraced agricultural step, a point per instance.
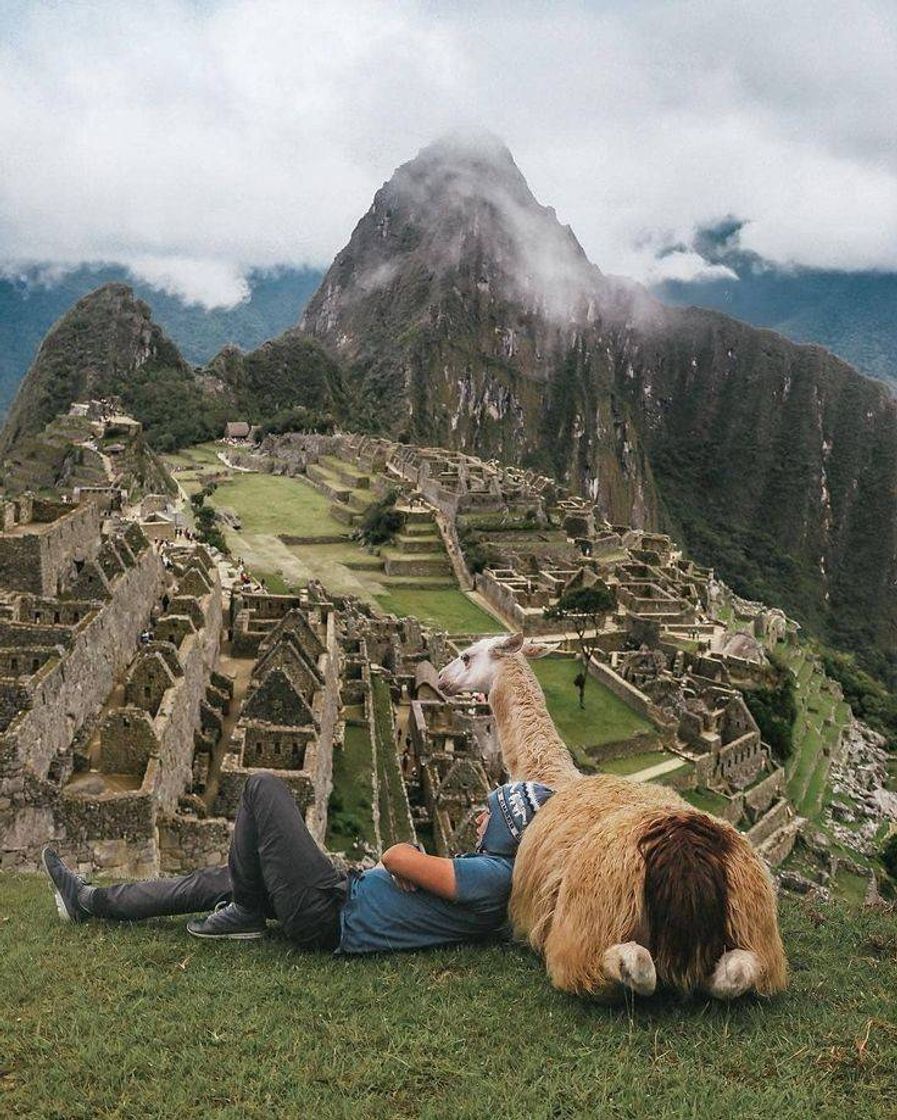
(419, 544)
(326, 482)
(363, 563)
(354, 478)
(409, 564)
(419, 583)
(420, 528)
(418, 516)
(360, 500)
(340, 512)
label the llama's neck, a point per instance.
(530, 743)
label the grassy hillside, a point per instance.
(30, 304)
(141, 1021)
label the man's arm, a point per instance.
(431, 873)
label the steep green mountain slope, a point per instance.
(33, 299)
(853, 314)
(469, 316)
(778, 465)
(109, 345)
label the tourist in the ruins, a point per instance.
(410, 900)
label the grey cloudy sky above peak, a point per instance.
(193, 141)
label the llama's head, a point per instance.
(476, 668)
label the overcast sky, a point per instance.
(194, 140)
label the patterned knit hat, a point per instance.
(511, 808)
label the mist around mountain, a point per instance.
(853, 314)
(32, 299)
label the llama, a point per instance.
(621, 884)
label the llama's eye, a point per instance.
(465, 658)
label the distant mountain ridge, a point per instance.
(853, 314)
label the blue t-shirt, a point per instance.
(379, 916)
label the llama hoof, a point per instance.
(735, 973)
(631, 965)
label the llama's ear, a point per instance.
(512, 644)
(535, 650)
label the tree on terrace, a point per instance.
(583, 610)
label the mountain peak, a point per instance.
(462, 215)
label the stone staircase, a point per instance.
(417, 557)
(348, 487)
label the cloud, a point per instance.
(192, 142)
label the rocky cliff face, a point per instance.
(468, 316)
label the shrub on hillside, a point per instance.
(775, 710)
(478, 554)
(381, 521)
(889, 855)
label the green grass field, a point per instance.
(349, 817)
(447, 608)
(632, 763)
(271, 506)
(605, 719)
(268, 503)
(131, 1021)
(705, 799)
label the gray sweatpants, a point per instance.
(274, 867)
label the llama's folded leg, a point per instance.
(591, 946)
(736, 973)
(753, 921)
(631, 965)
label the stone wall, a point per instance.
(321, 764)
(179, 713)
(127, 741)
(777, 817)
(623, 690)
(275, 748)
(740, 760)
(761, 796)
(36, 750)
(186, 843)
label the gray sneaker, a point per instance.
(69, 888)
(229, 920)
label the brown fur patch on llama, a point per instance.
(686, 895)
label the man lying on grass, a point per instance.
(275, 869)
